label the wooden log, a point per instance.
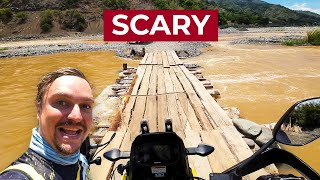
(202, 79)
(206, 82)
(208, 86)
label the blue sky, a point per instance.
(306, 5)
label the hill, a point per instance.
(62, 17)
(258, 12)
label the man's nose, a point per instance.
(75, 114)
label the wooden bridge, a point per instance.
(165, 88)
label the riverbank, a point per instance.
(41, 45)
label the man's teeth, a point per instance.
(71, 131)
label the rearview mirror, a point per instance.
(116, 154)
(300, 125)
(201, 150)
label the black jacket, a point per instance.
(44, 167)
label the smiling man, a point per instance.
(64, 111)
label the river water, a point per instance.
(263, 81)
(18, 80)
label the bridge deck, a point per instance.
(165, 88)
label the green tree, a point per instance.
(21, 17)
(46, 18)
(5, 15)
(117, 4)
(73, 19)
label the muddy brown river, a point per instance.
(261, 80)
(18, 80)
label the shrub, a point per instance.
(313, 37)
(117, 4)
(22, 17)
(295, 42)
(73, 19)
(69, 3)
(46, 18)
(5, 15)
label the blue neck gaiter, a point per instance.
(40, 146)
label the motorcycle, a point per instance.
(162, 155)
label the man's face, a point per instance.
(66, 114)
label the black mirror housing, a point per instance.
(300, 125)
(201, 150)
(116, 154)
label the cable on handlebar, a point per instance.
(105, 145)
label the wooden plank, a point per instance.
(168, 81)
(170, 59)
(193, 122)
(173, 114)
(165, 60)
(151, 106)
(162, 100)
(153, 81)
(162, 112)
(125, 146)
(140, 74)
(176, 58)
(159, 58)
(127, 113)
(137, 116)
(215, 139)
(176, 83)
(238, 147)
(218, 116)
(145, 82)
(154, 59)
(140, 105)
(144, 59)
(200, 164)
(149, 59)
(194, 100)
(100, 172)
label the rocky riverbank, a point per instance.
(187, 49)
(79, 42)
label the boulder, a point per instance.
(264, 137)
(250, 143)
(246, 127)
(232, 112)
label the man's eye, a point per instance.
(62, 103)
(86, 106)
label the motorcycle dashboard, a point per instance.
(156, 154)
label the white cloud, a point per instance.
(304, 7)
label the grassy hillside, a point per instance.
(65, 16)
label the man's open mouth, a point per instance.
(71, 132)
